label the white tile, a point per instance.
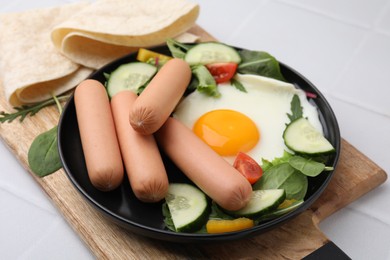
(372, 203)
(371, 239)
(359, 127)
(234, 16)
(359, 12)
(362, 83)
(22, 225)
(383, 23)
(315, 45)
(362, 128)
(16, 180)
(358, 131)
(60, 241)
(31, 227)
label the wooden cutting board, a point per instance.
(355, 175)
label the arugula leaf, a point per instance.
(306, 166)
(296, 109)
(25, 110)
(238, 85)
(206, 82)
(259, 63)
(178, 50)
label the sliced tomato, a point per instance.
(248, 167)
(222, 72)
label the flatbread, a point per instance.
(31, 68)
(108, 29)
(49, 51)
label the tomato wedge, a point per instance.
(248, 167)
(222, 72)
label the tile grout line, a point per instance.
(369, 33)
(20, 196)
(381, 15)
(348, 63)
(352, 101)
(379, 219)
(55, 223)
(244, 21)
(336, 18)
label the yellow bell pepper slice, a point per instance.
(215, 226)
(145, 55)
(286, 203)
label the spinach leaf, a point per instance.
(178, 50)
(259, 63)
(296, 109)
(206, 82)
(284, 176)
(43, 156)
(306, 166)
(218, 213)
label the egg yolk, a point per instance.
(227, 131)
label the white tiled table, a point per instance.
(343, 47)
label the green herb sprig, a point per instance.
(23, 111)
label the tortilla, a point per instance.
(30, 66)
(108, 29)
(47, 51)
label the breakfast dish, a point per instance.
(265, 103)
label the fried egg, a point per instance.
(252, 122)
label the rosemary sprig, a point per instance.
(26, 110)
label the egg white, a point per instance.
(266, 103)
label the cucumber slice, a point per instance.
(130, 76)
(301, 137)
(279, 212)
(261, 202)
(211, 52)
(188, 206)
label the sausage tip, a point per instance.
(153, 191)
(143, 121)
